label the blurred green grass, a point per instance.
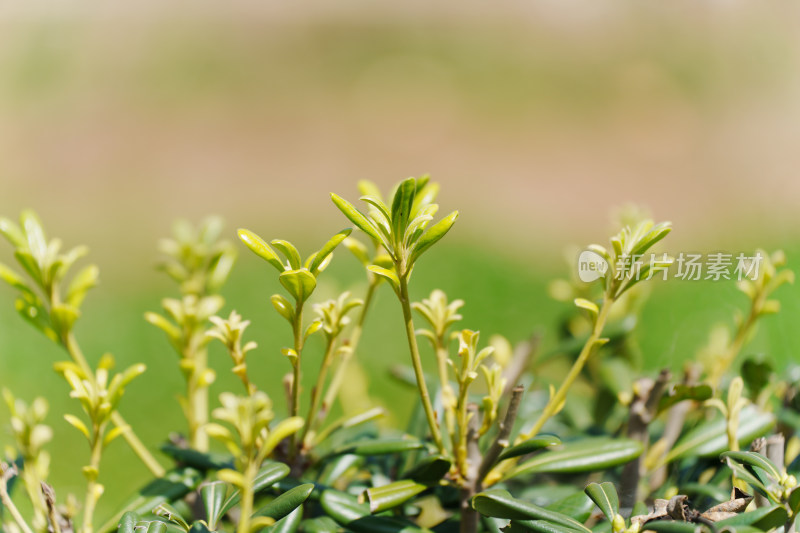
(504, 294)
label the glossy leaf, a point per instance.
(260, 248)
(199, 460)
(538, 526)
(266, 477)
(283, 307)
(288, 524)
(401, 206)
(127, 522)
(587, 455)
(605, 496)
(355, 516)
(388, 274)
(529, 446)
(756, 460)
(429, 471)
(710, 438)
(213, 495)
(763, 518)
(674, 526)
(391, 495)
(500, 504)
(300, 283)
(287, 502)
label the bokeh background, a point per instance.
(539, 119)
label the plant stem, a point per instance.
(92, 487)
(246, 505)
(417, 363)
(197, 396)
(553, 404)
(294, 406)
(130, 437)
(8, 503)
(316, 396)
(574, 372)
(470, 517)
(442, 355)
(355, 337)
(501, 442)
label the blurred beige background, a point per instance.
(537, 117)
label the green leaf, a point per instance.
(794, 501)
(529, 446)
(429, 471)
(500, 504)
(433, 235)
(673, 526)
(13, 279)
(328, 249)
(710, 438)
(680, 392)
(269, 474)
(260, 248)
(401, 206)
(355, 516)
(291, 253)
(287, 502)
(127, 522)
(27, 261)
(380, 447)
(283, 307)
(37, 243)
(63, 317)
(213, 494)
(288, 524)
(590, 306)
(300, 283)
(538, 526)
(391, 495)
(756, 460)
(173, 486)
(579, 506)
(586, 455)
(323, 524)
(356, 217)
(605, 496)
(170, 513)
(763, 518)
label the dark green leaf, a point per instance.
(500, 504)
(286, 502)
(538, 526)
(680, 392)
(323, 524)
(429, 471)
(199, 460)
(213, 495)
(673, 526)
(579, 506)
(586, 455)
(401, 206)
(710, 438)
(755, 459)
(268, 475)
(529, 446)
(763, 518)
(605, 496)
(127, 522)
(288, 524)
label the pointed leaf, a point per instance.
(326, 250)
(433, 235)
(401, 206)
(291, 253)
(283, 307)
(380, 447)
(269, 474)
(286, 502)
(586, 455)
(260, 248)
(756, 460)
(213, 494)
(529, 446)
(356, 217)
(390, 275)
(500, 504)
(288, 524)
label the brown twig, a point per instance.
(501, 442)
